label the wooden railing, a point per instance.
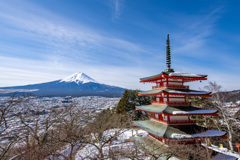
(171, 86)
(183, 122)
(176, 122)
(172, 103)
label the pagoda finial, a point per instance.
(168, 56)
(168, 53)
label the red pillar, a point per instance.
(167, 98)
(238, 146)
(109, 146)
(167, 81)
(185, 97)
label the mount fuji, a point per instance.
(78, 84)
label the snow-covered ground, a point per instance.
(224, 151)
(40, 107)
(90, 152)
(65, 152)
(120, 143)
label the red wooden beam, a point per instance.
(223, 137)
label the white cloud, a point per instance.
(194, 31)
(116, 7)
(58, 32)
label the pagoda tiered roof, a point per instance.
(186, 92)
(177, 131)
(176, 110)
(151, 146)
(170, 119)
(187, 77)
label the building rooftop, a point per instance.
(181, 75)
(178, 110)
(151, 146)
(176, 131)
(174, 91)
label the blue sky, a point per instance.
(118, 41)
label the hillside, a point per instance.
(230, 96)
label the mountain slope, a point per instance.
(78, 84)
(230, 96)
(78, 78)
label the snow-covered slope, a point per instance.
(78, 84)
(78, 78)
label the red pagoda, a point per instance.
(171, 113)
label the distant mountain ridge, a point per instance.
(78, 84)
(230, 96)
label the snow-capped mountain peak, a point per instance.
(78, 78)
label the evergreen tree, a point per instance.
(121, 107)
(130, 100)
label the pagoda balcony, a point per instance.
(173, 103)
(171, 86)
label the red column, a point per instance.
(238, 146)
(167, 81)
(168, 98)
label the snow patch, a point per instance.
(78, 78)
(224, 151)
(191, 92)
(180, 136)
(208, 133)
(200, 111)
(184, 74)
(3, 91)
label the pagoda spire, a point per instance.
(168, 56)
(168, 53)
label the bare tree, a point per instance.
(156, 149)
(38, 137)
(106, 127)
(218, 99)
(71, 130)
(6, 107)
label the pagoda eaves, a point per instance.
(176, 131)
(186, 77)
(176, 110)
(190, 93)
